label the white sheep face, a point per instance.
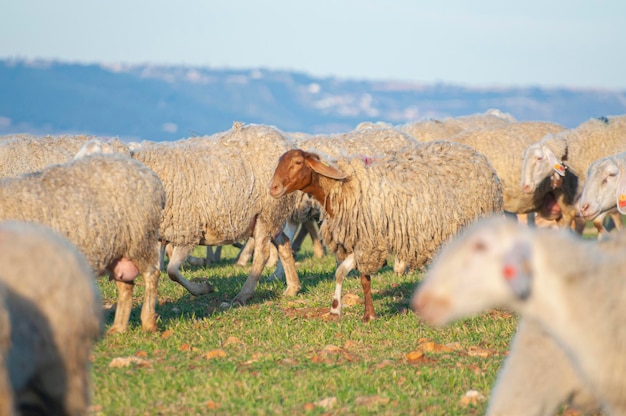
(539, 163)
(481, 269)
(600, 193)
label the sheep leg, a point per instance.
(124, 306)
(366, 283)
(288, 264)
(245, 253)
(6, 391)
(318, 247)
(216, 256)
(342, 271)
(179, 254)
(289, 230)
(299, 239)
(259, 258)
(150, 297)
(399, 266)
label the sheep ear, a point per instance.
(621, 193)
(324, 168)
(517, 271)
(554, 162)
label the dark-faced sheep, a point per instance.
(566, 156)
(407, 202)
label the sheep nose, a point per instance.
(584, 207)
(526, 188)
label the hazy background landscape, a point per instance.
(162, 70)
(170, 102)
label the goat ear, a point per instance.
(621, 193)
(324, 168)
(516, 269)
(554, 162)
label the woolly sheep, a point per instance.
(571, 287)
(504, 147)
(110, 207)
(367, 140)
(217, 194)
(566, 156)
(537, 360)
(23, 154)
(50, 317)
(605, 187)
(429, 130)
(406, 202)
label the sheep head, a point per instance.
(488, 266)
(604, 189)
(300, 170)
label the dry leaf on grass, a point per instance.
(215, 354)
(327, 403)
(211, 405)
(167, 334)
(371, 400)
(120, 362)
(471, 398)
(350, 299)
(475, 351)
(232, 341)
(386, 363)
(141, 354)
(308, 407)
(330, 354)
(416, 356)
(434, 347)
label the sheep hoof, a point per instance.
(149, 327)
(116, 329)
(367, 318)
(203, 288)
(291, 291)
(237, 303)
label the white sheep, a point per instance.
(50, 317)
(217, 194)
(573, 288)
(537, 360)
(566, 156)
(110, 207)
(25, 153)
(504, 146)
(406, 202)
(605, 188)
(443, 129)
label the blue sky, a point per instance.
(555, 43)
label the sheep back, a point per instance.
(504, 148)
(217, 186)
(408, 202)
(109, 206)
(24, 153)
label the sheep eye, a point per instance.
(480, 246)
(538, 157)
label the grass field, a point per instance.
(286, 356)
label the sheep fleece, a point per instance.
(408, 202)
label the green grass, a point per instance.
(281, 356)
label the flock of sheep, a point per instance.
(78, 207)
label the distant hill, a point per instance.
(170, 102)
